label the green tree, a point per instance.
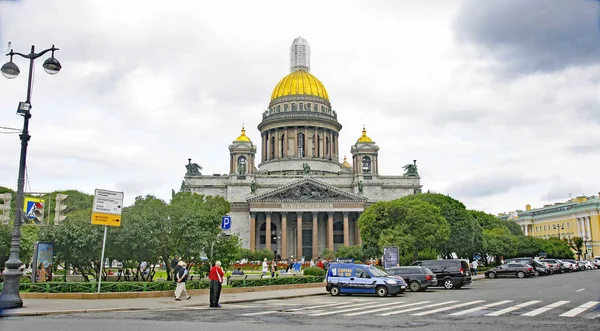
(350, 252)
(576, 243)
(227, 249)
(410, 224)
(498, 242)
(514, 228)
(465, 232)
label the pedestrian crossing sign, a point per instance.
(32, 208)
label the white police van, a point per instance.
(345, 278)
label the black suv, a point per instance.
(450, 273)
(417, 278)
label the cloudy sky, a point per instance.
(497, 100)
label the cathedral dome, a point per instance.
(243, 137)
(299, 83)
(364, 138)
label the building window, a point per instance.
(322, 109)
(338, 233)
(308, 106)
(272, 147)
(285, 107)
(300, 144)
(241, 165)
(279, 108)
(301, 106)
(294, 107)
(281, 152)
(366, 165)
(327, 149)
(568, 225)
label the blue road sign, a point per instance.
(226, 223)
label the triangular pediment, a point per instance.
(307, 190)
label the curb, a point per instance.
(101, 310)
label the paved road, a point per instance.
(558, 302)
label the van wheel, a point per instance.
(382, 291)
(448, 283)
(520, 274)
(492, 275)
(334, 291)
(415, 286)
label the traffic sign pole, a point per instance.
(102, 259)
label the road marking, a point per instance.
(423, 313)
(472, 310)
(260, 313)
(579, 290)
(576, 311)
(307, 308)
(323, 306)
(354, 309)
(513, 308)
(386, 308)
(545, 308)
(416, 308)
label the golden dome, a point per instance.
(345, 164)
(364, 138)
(299, 83)
(243, 137)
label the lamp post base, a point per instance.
(10, 297)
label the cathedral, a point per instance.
(296, 197)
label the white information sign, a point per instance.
(108, 202)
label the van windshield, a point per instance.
(376, 272)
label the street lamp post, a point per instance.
(10, 297)
(559, 227)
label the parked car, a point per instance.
(554, 265)
(571, 264)
(538, 267)
(510, 269)
(595, 263)
(449, 273)
(346, 278)
(417, 278)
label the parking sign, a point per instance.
(226, 223)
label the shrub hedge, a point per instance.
(314, 271)
(276, 281)
(89, 287)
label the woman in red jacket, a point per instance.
(216, 279)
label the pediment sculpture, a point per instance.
(308, 192)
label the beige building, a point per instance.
(291, 192)
(578, 217)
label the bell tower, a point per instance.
(242, 152)
(364, 157)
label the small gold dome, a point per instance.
(364, 138)
(345, 164)
(243, 137)
(299, 83)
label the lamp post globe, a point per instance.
(10, 70)
(52, 66)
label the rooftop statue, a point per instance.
(192, 168)
(410, 170)
(305, 168)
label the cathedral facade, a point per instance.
(296, 197)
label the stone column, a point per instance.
(268, 231)
(268, 145)
(330, 231)
(295, 151)
(322, 144)
(286, 142)
(589, 229)
(284, 235)
(299, 234)
(305, 141)
(580, 226)
(253, 231)
(277, 142)
(315, 143)
(346, 230)
(526, 229)
(315, 236)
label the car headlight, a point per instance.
(391, 282)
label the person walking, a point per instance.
(216, 280)
(273, 268)
(265, 267)
(180, 277)
(474, 266)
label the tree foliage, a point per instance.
(350, 252)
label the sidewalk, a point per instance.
(35, 307)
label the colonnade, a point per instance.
(297, 234)
(287, 142)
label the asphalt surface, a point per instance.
(557, 302)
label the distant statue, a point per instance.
(305, 168)
(253, 186)
(410, 170)
(192, 168)
(361, 186)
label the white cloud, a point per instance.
(146, 85)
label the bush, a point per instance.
(276, 281)
(350, 252)
(87, 287)
(314, 271)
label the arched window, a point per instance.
(319, 139)
(294, 107)
(282, 150)
(241, 165)
(308, 107)
(272, 147)
(300, 144)
(327, 149)
(334, 152)
(285, 107)
(366, 165)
